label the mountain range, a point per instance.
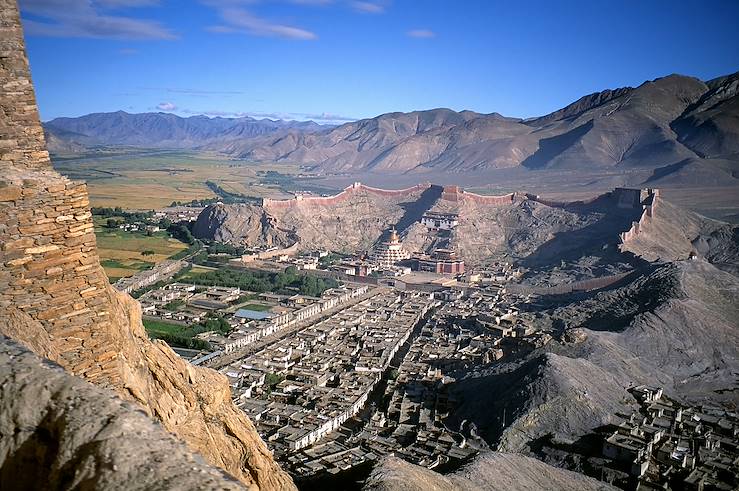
(160, 130)
(675, 125)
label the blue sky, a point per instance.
(335, 60)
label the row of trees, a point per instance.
(264, 281)
(185, 338)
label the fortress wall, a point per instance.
(565, 288)
(560, 204)
(648, 213)
(272, 204)
(51, 271)
(456, 194)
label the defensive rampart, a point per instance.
(274, 204)
(456, 194)
(649, 205)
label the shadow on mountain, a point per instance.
(549, 148)
(414, 210)
(598, 239)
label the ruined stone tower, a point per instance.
(55, 297)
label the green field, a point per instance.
(257, 307)
(154, 327)
(150, 179)
(184, 336)
(120, 251)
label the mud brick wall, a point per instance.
(456, 194)
(21, 137)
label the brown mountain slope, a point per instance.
(657, 124)
(55, 297)
(710, 126)
(673, 325)
(492, 471)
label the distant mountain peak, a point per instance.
(654, 126)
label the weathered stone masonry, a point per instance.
(51, 270)
(21, 137)
(55, 297)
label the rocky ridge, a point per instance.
(83, 436)
(55, 297)
(671, 325)
(348, 222)
(678, 126)
(490, 471)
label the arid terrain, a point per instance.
(424, 300)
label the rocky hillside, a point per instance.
(493, 471)
(56, 299)
(59, 432)
(673, 325)
(668, 121)
(673, 233)
(348, 222)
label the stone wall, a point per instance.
(456, 194)
(21, 137)
(275, 204)
(55, 297)
(51, 270)
(649, 205)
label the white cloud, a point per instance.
(89, 19)
(166, 106)
(421, 33)
(368, 7)
(240, 20)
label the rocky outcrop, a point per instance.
(56, 300)
(240, 224)
(491, 471)
(59, 432)
(349, 222)
(667, 232)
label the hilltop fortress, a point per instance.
(476, 227)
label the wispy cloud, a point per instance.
(325, 117)
(421, 33)
(191, 91)
(239, 20)
(128, 51)
(89, 19)
(166, 106)
(368, 7)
